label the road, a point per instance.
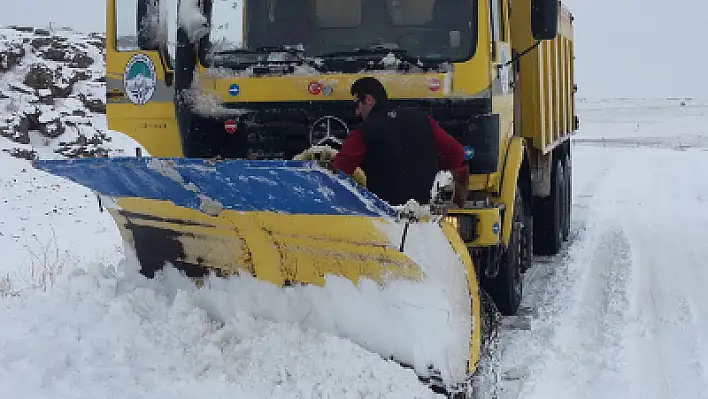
(621, 312)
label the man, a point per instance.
(400, 151)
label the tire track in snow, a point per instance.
(585, 342)
(669, 331)
(551, 286)
(586, 183)
(665, 345)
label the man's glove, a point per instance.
(324, 155)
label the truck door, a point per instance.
(501, 49)
(502, 70)
(140, 73)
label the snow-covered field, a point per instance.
(621, 313)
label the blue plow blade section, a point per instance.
(293, 187)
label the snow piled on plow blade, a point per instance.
(295, 243)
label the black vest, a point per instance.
(401, 160)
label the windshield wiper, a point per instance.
(382, 51)
(282, 49)
(238, 51)
(374, 50)
(264, 50)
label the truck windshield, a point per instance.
(247, 32)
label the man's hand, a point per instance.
(324, 155)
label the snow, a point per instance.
(97, 332)
(46, 224)
(192, 20)
(408, 320)
(618, 314)
(621, 312)
(436, 324)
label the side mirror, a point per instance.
(544, 19)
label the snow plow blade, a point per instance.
(229, 216)
(295, 225)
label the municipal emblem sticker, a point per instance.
(140, 79)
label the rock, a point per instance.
(39, 77)
(45, 96)
(40, 42)
(22, 153)
(22, 28)
(93, 105)
(81, 75)
(56, 54)
(62, 91)
(15, 135)
(11, 57)
(84, 147)
(62, 71)
(28, 121)
(81, 61)
(20, 88)
(100, 42)
(96, 106)
(51, 128)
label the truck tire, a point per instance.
(484, 384)
(506, 288)
(548, 216)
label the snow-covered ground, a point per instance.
(619, 314)
(622, 312)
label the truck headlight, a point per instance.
(466, 226)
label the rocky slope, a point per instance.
(52, 93)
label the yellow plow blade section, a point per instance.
(279, 248)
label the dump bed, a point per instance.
(547, 79)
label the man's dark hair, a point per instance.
(371, 86)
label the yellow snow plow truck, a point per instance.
(231, 100)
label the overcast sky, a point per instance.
(624, 48)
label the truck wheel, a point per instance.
(507, 287)
(547, 215)
(484, 384)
